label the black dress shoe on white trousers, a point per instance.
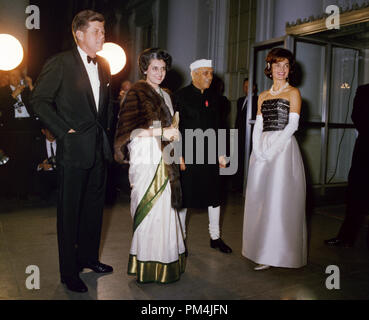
(219, 244)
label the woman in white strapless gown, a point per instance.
(274, 230)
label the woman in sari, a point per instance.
(144, 132)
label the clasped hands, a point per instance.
(268, 154)
(19, 89)
(267, 150)
(45, 165)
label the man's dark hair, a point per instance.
(82, 20)
(153, 53)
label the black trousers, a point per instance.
(357, 207)
(354, 219)
(46, 183)
(79, 214)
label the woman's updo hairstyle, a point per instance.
(276, 55)
(153, 53)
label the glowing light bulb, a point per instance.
(115, 55)
(345, 86)
(11, 52)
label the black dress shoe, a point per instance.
(74, 283)
(219, 244)
(98, 267)
(336, 242)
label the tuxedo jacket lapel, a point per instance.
(86, 81)
(103, 84)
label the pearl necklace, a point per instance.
(275, 93)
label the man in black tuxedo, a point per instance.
(358, 180)
(240, 125)
(72, 97)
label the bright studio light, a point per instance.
(115, 55)
(345, 86)
(11, 52)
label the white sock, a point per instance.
(214, 215)
(182, 217)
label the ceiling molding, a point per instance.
(314, 25)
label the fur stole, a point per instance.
(140, 108)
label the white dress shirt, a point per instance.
(48, 149)
(93, 75)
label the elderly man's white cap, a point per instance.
(203, 63)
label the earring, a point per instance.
(268, 65)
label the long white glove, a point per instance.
(256, 138)
(280, 142)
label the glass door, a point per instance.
(312, 81)
(341, 132)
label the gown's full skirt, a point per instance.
(157, 249)
(274, 229)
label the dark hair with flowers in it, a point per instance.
(276, 55)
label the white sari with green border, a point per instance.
(157, 249)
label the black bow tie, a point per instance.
(89, 59)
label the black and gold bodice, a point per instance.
(275, 114)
